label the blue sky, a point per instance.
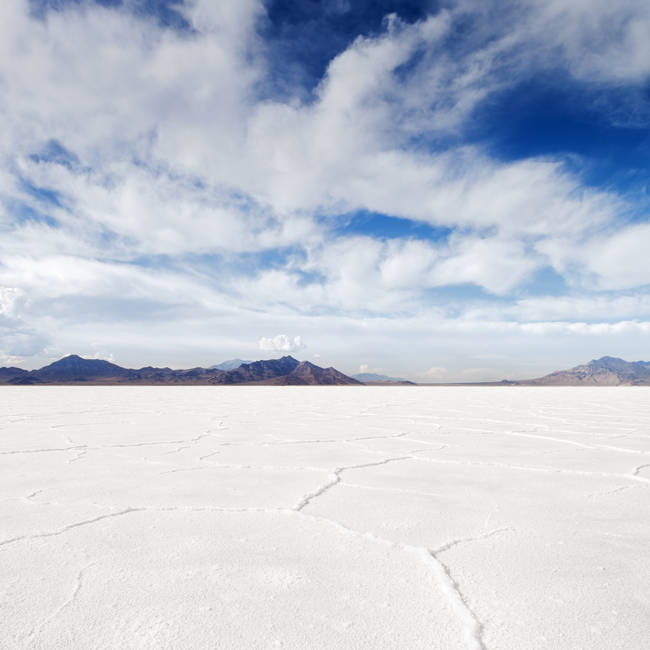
(453, 190)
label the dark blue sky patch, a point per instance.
(553, 116)
(303, 36)
(166, 11)
(382, 226)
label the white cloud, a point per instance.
(600, 39)
(281, 342)
(183, 175)
(494, 263)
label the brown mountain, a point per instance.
(76, 370)
(308, 374)
(259, 371)
(606, 371)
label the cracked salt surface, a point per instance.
(251, 517)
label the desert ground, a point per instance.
(324, 517)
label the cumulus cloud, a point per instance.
(282, 343)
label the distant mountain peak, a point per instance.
(230, 364)
(606, 371)
(606, 361)
(76, 368)
(374, 378)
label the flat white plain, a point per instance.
(324, 517)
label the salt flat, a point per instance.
(324, 517)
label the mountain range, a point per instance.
(74, 369)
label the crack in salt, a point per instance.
(176, 451)
(473, 628)
(335, 478)
(65, 529)
(79, 456)
(463, 540)
(41, 451)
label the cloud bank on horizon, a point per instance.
(457, 186)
